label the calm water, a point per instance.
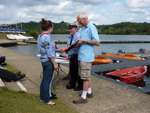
(32, 49)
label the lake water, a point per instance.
(32, 49)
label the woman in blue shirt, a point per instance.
(47, 56)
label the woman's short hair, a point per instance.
(46, 24)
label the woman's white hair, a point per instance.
(82, 15)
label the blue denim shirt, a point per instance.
(46, 47)
(86, 51)
(72, 39)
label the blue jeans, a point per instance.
(46, 83)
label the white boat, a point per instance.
(11, 37)
(18, 37)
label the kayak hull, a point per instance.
(134, 75)
(123, 56)
(101, 60)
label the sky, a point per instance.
(99, 11)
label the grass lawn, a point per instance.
(19, 102)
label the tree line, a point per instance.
(124, 28)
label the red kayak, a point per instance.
(134, 75)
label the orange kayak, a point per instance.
(101, 60)
(123, 55)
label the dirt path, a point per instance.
(109, 97)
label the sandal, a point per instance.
(51, 103)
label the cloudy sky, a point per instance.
(99, 11)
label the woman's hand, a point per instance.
(56, 66)
(63, 49)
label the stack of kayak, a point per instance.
(106, 58)
(132, 75)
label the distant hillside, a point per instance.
(126, 28)
(33, 28)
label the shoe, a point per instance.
(90, 95)
(77, 89)
(80, 101)
(66, 78)
(53, 96)
(69, 87)
(51, 103)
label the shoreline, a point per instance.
(110, 42)
(10, 43)
(7, 43)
